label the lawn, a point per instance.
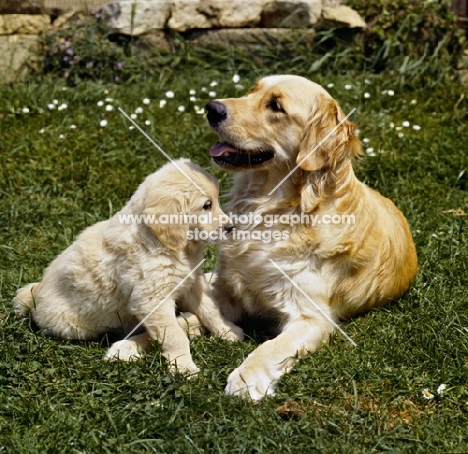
(62, 168)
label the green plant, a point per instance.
(409, 31)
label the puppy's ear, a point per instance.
(158, 218)
(328, 139)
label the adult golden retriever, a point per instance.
(135, 268)
(293, 148)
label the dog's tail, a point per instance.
(23, 302)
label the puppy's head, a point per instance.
(181, 197)
(284, 121)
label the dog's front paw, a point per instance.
(253, 383)
(125, 350)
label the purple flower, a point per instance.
(66, 74)
(70, 51)
(65, 58)
(71, 61)
(90, 64)
(116, 78)
(97, 16)
(67, 43)
(120, 64)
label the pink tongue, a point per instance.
(218, 148)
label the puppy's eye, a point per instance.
(208, 205)
(275, 106)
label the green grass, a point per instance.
(59, 396)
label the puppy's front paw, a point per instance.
(184, 366)
(125, 350)
(251, 383)
(232, 334)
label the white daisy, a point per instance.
(441, 389)
(25, 110)
(55, 101)
(181, 109)
(192, 98)
(146, 101)
(366, 140)
(133, 116)
(192, 92)
(103, 123)
(169, 94)
(139, 110)
(109, 107)
(109, 99)
(405, 124)
(100, 103)
(236, 78)
(61, 137)
(212, 94)
(413, 102)
(416, 127)
(214, 84)
(41, 131)
(162, 103)
(147, 122)
(72, 126)
(366, 95)
(62, 106)
(51, 106)
(427, 394)
(390, 92)
(331, 85)
(348, 87)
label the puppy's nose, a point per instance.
(228, 228)
(217, 113)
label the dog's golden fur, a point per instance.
(340, 269)
(116, 273)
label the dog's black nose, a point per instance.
(228, 228)
(217, 113)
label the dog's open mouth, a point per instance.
(229, 157)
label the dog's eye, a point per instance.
(208, 205)
(275, 106)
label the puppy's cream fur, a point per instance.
(343, 269)
(115, 274)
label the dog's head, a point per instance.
(179, 198)
(284, 121)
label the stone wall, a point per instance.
(23, 21)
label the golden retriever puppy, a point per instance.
(137, 267)
(319, 246)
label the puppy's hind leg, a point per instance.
(191, 324)
(208, 312)
(23, 302)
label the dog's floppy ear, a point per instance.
(158, 214)
(328, 139)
